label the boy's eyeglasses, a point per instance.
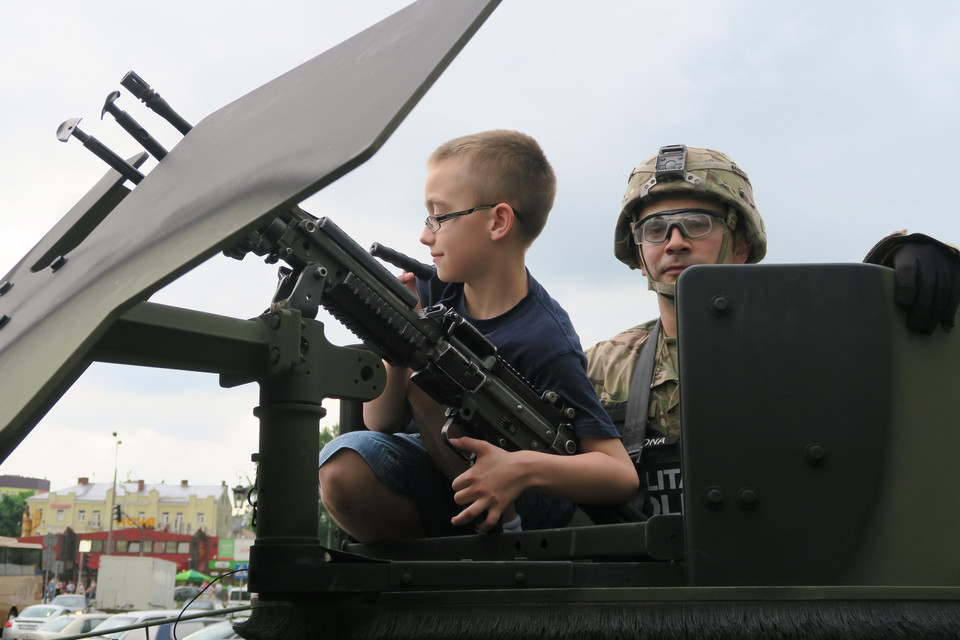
(693, 223)
(433, 222)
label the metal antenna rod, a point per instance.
(69, 128)
(132, 127)
(142, 91)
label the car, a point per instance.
(66, 626)
(31, 618)
(222, 630)
(183, 628)
(237, 596)
(186, 593)
(163, 631)
(76, 602)
(205, 604)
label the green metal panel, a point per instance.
(234, 171)
(819, 434)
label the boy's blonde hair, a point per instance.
(508, 166)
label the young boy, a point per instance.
(487, 197)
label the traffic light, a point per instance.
(117, 516)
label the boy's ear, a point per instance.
(502, 221)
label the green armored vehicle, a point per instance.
(818, 490)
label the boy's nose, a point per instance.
(427, 236)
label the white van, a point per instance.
(237, 596)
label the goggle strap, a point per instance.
(731, 220)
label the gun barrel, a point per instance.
(142, 91)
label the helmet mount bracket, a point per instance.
(671, 165)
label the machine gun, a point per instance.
(451, 360)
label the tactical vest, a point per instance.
(655, 456)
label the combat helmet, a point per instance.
(678, 169)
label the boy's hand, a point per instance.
(409, 280)
(490, 485)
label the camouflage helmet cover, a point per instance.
(704, 172)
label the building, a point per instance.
(16, 484)
(85, 508)
(78, 555)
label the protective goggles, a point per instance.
(693, 223)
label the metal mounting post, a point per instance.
(303, 369)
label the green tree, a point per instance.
(11, 512)
(327, 434)
(327, 527)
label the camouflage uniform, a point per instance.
(611, 366)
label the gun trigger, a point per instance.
(444, 433)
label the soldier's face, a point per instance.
(665, 261)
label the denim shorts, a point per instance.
(402, 463)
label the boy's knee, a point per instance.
(343, 477)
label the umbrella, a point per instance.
(191, 575)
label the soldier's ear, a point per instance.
(741, 250)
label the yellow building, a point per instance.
(85, 507)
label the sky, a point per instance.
(843, 114)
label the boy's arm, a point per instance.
(430, 418)
(385, 412)
(602, 473)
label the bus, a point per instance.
(21, 583)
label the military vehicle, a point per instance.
(817, 497)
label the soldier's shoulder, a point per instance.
(610, 363)
(630, 340)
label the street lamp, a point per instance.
(113, 496)
(243, 491)
(239, 496)
(244, 496)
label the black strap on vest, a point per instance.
(633, 435)
(638, 401)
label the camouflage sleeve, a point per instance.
(882, 252)
(610, 363)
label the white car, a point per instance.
(66, 626)
(161, 632)
(220, 631)
(237, 596)
(75, 601)
(31, 618)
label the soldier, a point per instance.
(687, 206)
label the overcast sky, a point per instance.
(843, 114)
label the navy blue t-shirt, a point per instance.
(537, 339)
